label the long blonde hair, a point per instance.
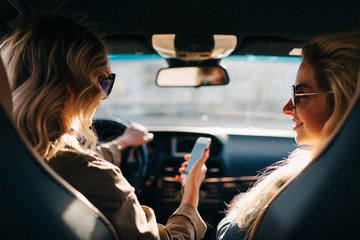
(335, 59)
(50, 62)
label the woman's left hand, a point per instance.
(135, 135)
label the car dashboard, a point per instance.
(236, 158)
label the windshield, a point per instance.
(258, 89)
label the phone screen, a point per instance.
(200, 144)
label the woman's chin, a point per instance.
(302, 140)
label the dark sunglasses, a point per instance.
(295, 96)
(107, 83)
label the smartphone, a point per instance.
(200, 144)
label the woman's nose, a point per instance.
(288, 108)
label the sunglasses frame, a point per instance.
(294, 94)
(110, 79)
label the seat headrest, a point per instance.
(5, 93)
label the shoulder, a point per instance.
(69, 157)
(73, 159)
(91, 175)
(228, 229)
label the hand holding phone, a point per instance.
(196, 152)
(192, 180)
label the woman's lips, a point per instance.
(297, 125)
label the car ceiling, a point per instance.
(262, 27)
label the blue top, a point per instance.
(229, 230)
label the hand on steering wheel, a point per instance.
(134, 136)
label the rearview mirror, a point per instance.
(192, 76)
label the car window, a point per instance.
(258, 89)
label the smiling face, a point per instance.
(311, 112)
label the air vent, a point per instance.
(170, 168)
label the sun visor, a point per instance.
(194, 47)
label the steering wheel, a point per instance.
(134, 163)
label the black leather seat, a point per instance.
(35, 203)
(323, 202)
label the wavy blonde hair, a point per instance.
(50, 62)
(335, 59)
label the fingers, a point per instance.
(204, 156)
(182, 168)
(179, 179)
(148, 137)
(184, 164)
(137, 135)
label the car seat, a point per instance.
(322, 202)
(35, 202)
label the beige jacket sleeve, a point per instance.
(111, 151)
(186, 223)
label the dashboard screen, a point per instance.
(181, 146)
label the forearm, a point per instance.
(190, 196)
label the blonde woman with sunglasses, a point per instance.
(324, 86)
(59, 72)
